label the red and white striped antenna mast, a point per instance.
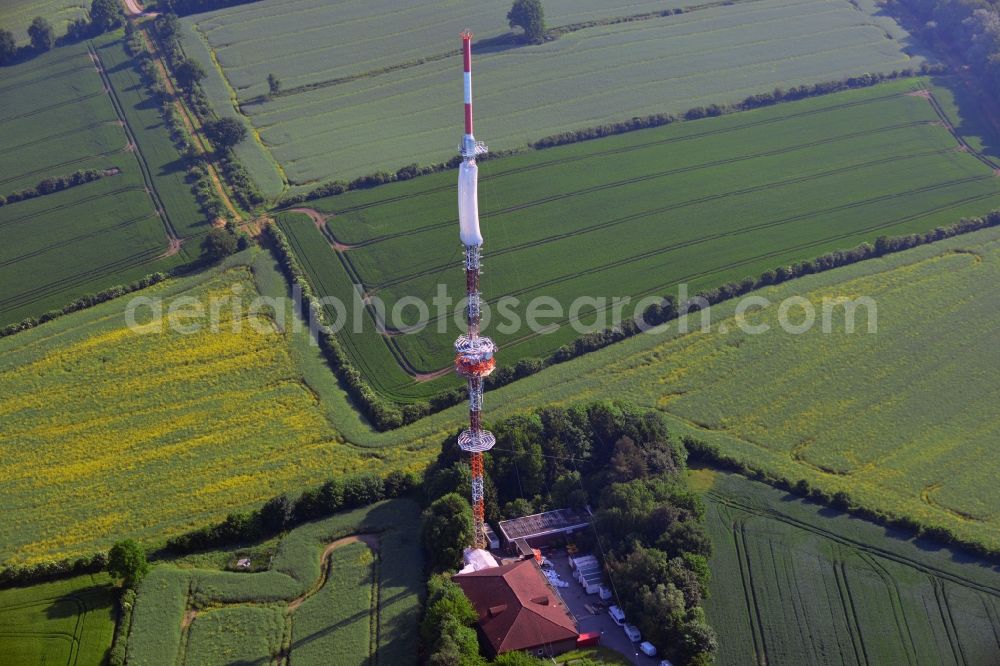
(474, 353)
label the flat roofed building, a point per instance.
(541, 529)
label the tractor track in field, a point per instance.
(147, 175)
(661, 174)
(59, 135)
(850, 611)
(899, 615)
(47, 77)
(70, 241)
(43, 109)
(872, 550)
(668, 209)
(757, 624)
(873, 557)
(319, 219)
(92, 197)
(554, 31)
(963, 144)
(26, 297)
(687, 278)
(48, 169)
(409, 369)
(927, 497)
(359, 359)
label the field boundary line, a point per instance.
(140, 158)
(630, 148)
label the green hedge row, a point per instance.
(118, 646)
(382, 415)
(756, 101)
(84, 302)
(29, 574)
(703, 451)
(202, 187)
(282, 513)
(778, 95)
(57, 184)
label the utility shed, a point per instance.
(518, 610)
(542, 529)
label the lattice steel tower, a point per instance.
(474, 353)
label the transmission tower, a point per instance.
(474, 353)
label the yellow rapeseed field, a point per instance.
(109, 432)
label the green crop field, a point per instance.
(16, 15)
(700, 203)
(62, 115)
(793, 583)
(67, 622)
(349, 69)
(914, 442)
(360, 606)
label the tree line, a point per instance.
(648, 527)
(56, 184)
(223, 133)
(104, 15)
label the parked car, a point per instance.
(648, 649)
(632, 632)
(617, 615)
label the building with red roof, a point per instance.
(519, 610)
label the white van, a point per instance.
(632, 632)
(648, 649)
(617, 615)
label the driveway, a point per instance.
(612, 636)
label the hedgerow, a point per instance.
(86, 302)
(381, 414)
(701, 451)
(756, 101)
(57, 184)
(282, 512)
